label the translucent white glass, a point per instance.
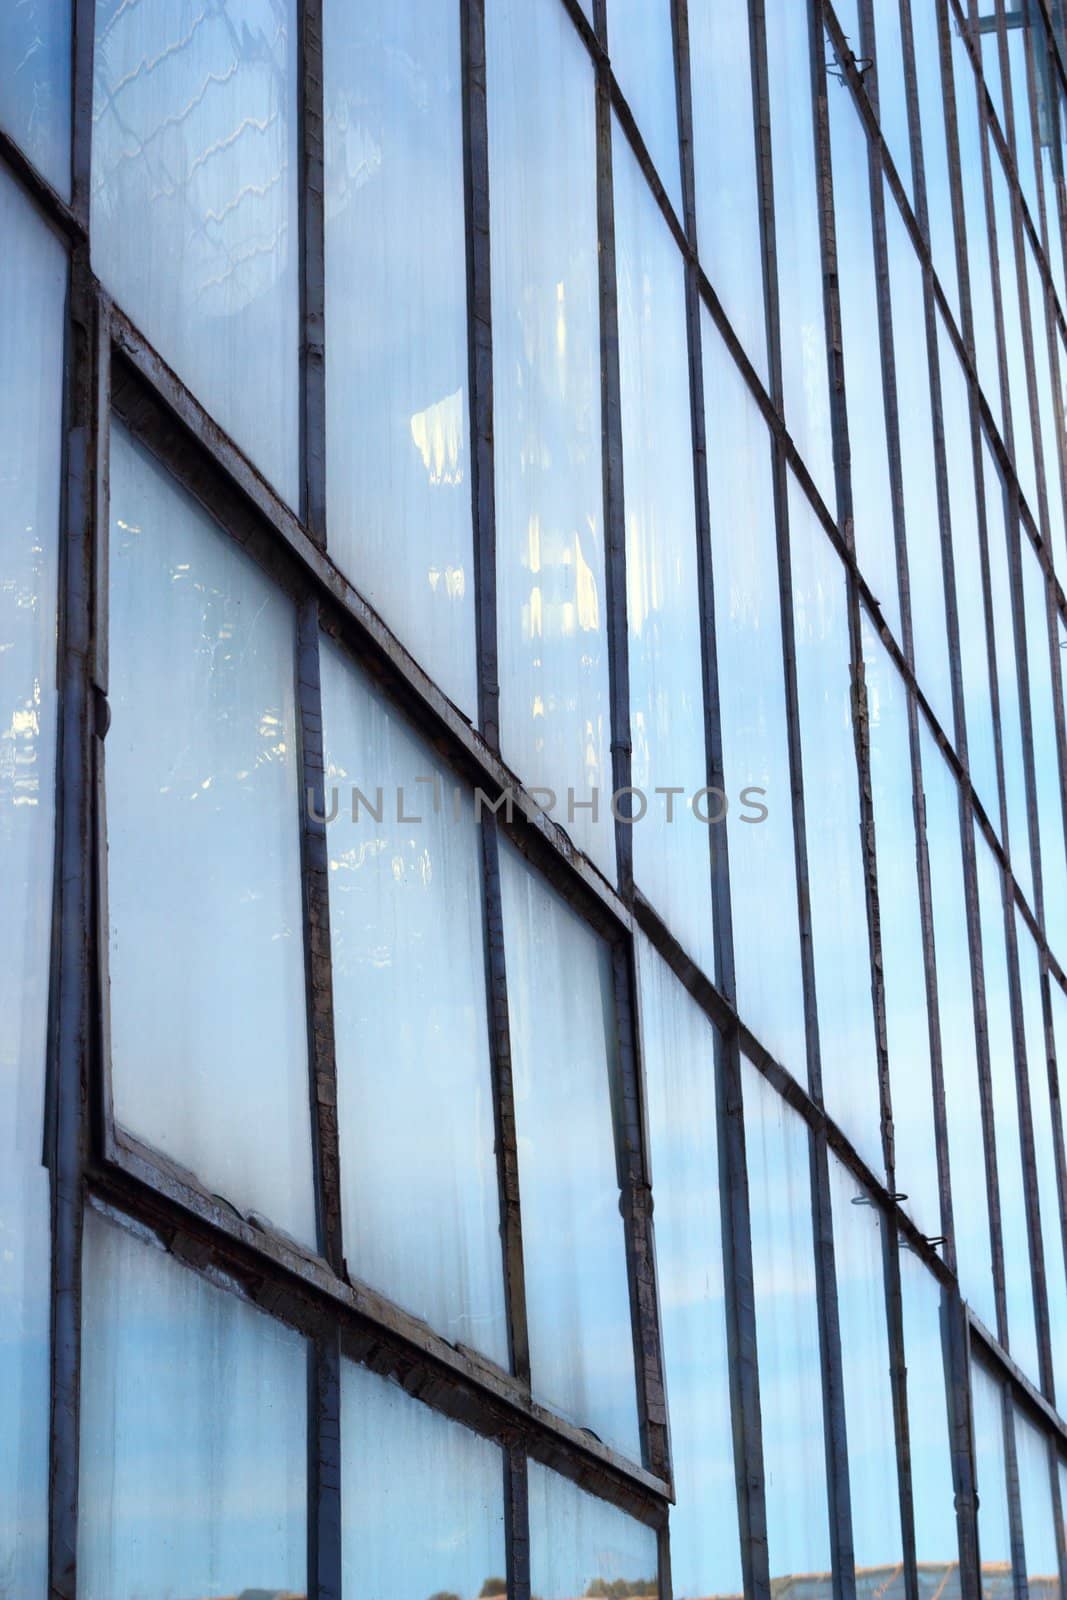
(724, 162)
(580, 1545)
(971, 141)
(208, 1021)
(959, 1050)
(1032, 1455)
(1018, 1283)
(918, 472)
(932, 1497)
(679, 1046)
(422, 1498)
(967, 568)
(1046, 385)
(868, 1398)
(565, 1071)
(640, 38)
(805, 377)
(672, 852)
(872, 501)
(903, 968)
(892, 92)
(551, 597)
(419, 1199)
(1022, 431)
(1046, 759)
(930, 87)
(835, 862)
(752, 715)
(994, 1532)
(194, 1450)
(32, 307)
(36, 49)
(787, 1330)
(1011, 736)
(194, 205)
(397, 403)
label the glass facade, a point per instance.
(533, 800)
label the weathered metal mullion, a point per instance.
(956, 1355)
(312, 230)
(1015, 1512)
(1058, 1512)
(898, 1368)
(324, 1466)
(517, 1521)
(83, 16)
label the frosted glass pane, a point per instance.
(194, 205)
(926, 33)
(868, 1400)
(641, 42)
(1022, 432)
(679, 1045)
(970, 596)
(872, 499)
(397, 404)
(971, 142)
(672, 854)
(932, 1495)
(551, 600)
(994, 1533)
(563, 1055)
(36, 49)
(959, 1050)
(892, 92)
(835, 862)
(1039, 1518)
(805, 378)
(193, 1433)
(1046, 757)
(208, 1022)
(724, 159)
(1019, 1290)
(903, 967)
(32, 307)
(1007, 674)
(422, 1498)
(579, 1544)
(787, 1330)
(752, 716)
(419, 1200)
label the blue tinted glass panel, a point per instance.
(35, 104)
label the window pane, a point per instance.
(201, 756)
(679, 1046)
(1007, 673)
(194, 205)
(1039, 1519)
(32, 311)
(787, 1330)
(419, 1200)
(724, 158)
(561, 1010)
(926, 31)
(752, 716)
(971, 141)
(422, 1498)
(900, 913)
(1023, 438)
(1046, 756)
(835, 864)
(672, 857)
(579, 1544)
(397, 405)
(1049, 438)
(932, 1494)
(868, 1400)
(35, 47)
(640, 38)
(994, 1533)
(552, 621)
(805, 377)
(892, 93)
(180, 1493)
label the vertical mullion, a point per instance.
(956, 1352)
(517, 1521)
(324, 1466)
(1011, 1471)
(84, 24)
(312, 274)
(898, 1384)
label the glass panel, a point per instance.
(32, 316)
(194, 205)
(892, 92)
(903, 967)
(967, 567)
(580, 1545)
(1046, 757)
(932, 1494)
(422, 1498)
(805, 378)
(552, 623)
(1017, 37)
(724, 159)
(1022, 1333)
(206, 950)
(926, 32)
(397, 405)
(835, 864)
(752, 714)
(641, 40)
(679, 1050)
(872, 500)
(1011, 736)
(1039, 1518)
(787, 1330)
(915, 416)
(672, 856)
(181, 1494)
(989, 44)
(959, 1050)
(574, 1249)
(1022, 432)
(994, 1533)
(35, 47)
(971, 142)
(1046, 388)
(419, 1200)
